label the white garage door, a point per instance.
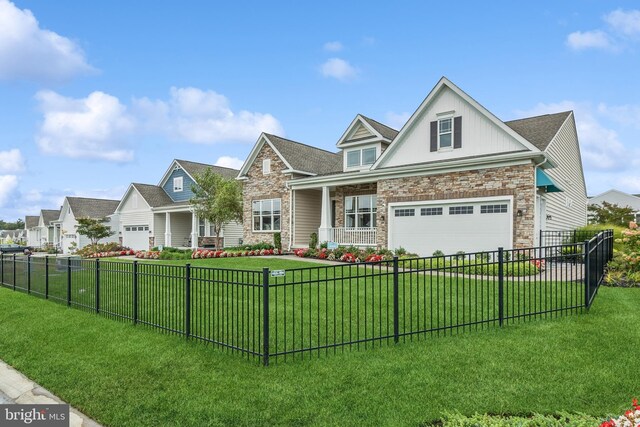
(136, 237)
(451, 227)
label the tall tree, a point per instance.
(94, 229)
(610, 213)
(217, 200)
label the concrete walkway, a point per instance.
(16, 388)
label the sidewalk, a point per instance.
(16, 388)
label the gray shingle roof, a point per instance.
(194, 168)
(92, 208)
(539, 130)
(49, 215)
(305, 158)
(382, 129)
(154, 195)
(31, 221)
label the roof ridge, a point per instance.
(91, 198)
(378, 122)
(538, 116)
(300, 143)
(207, 164)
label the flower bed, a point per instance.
(631, 418)
(148, 254)
(205, 253)
(112, 254)
(624, 269)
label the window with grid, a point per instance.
(266, 215)
(460, 210)
(430, 211)
(360, 211)
(405, 212)
(489, 209)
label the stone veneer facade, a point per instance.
(349, 190)
(258, 186)
(516, 181)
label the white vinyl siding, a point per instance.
(361, 132)
(568, 209)
(232, 232)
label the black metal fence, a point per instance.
(565, 237)
(273, 315)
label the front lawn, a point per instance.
(124, 375)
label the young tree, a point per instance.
(610, 213)
(94, 229)
(216, 199)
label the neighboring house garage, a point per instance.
(135, 236)
(464, 225)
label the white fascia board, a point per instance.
(172, 209)
(167, 173)
(124, 196)
(414, 170)
(254, 153)
(298, 172)
(375, 135)
(482, 110)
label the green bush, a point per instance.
(313, 240)
(277, 241)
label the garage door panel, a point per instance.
(437, 227)
(136, 237)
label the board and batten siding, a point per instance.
(187, 183)
(567, 209)
(306, 218)
(135, 211)
(479, 134)
(180, 229)
(159, 222)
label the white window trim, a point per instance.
(357, 165)
(253, 230)
(374, 222)
(178, 184)
(360, 152)
(440, 119)
(266, 166)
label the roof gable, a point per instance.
(617, 197)
(194, 168)
(364, 130)
(31, 221)
(482, 132)
(91, 208)
(49, 215)
(539, 130)
(297, 157)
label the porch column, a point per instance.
(55, 234)
(167, 229)
(194, 230)
(325, 216)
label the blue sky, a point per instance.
(95, 95)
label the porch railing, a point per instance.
(357, 236)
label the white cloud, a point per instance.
(338, 69)
(333, 46)
(202, 116)
(600, 146)
(624, 22)
(29, 52)
(397, 120)
(229, 162)
(11, 161)
(95, 127)
(589, 40)
(8, 188)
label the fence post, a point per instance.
(14, 272)
(135, 292)
(187, 301)
(501, 285)
(46, 277)
(265, 316)
(396, 302)
(97, 285)
(68, 281)
(1, 268)
(28, 274)
(587, 273)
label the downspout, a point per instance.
(291, 202)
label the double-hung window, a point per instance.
(445, 133)
(363, 157)
(201, 227)
(177, 183)
(360, 211)
(266, 215)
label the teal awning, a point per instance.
(544, 181)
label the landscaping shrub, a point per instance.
(313, 240)
(102, 249)
(624, 268)
(277, 241)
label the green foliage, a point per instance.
(277, 240)
(18, 225)
(94, 229)
(100, 247)
(216, 199)
(533, 420)
(401, 251)
(313, 240)
(438, 252)
(610, 213)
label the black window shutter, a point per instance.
(434, 136)
(457, 132)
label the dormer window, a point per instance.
(177, 183)
(363, 157)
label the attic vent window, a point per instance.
(177, 183)
(266, 166)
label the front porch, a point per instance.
(341, 215)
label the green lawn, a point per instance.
(123, 375)
(315, 308)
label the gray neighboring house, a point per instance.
(619, 198)
(65, 227)
(12, 236)
(31, 230)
